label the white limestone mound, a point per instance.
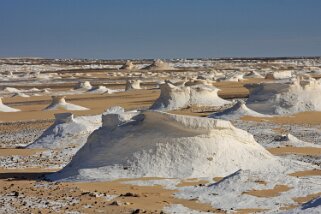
(285, 98)
(253, 74)
(11, 90)
(46, 90)
(159, 65)
(33, 90)
(204, 95)
(233, 78)
(100, 89)
(67, 132)
(157, 144)
(236, 112)
(83, 86)
(59, 102)
(5, 108)
(172, 97)
(132, 84)
(128, 66)
(115, 116)
(290, 140)
(177, 97)
(279, 75)
(20, 94)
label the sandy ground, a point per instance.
(311, 118)
(91, 197)
(296, 150)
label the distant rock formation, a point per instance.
(5, 108)
(132, 84)
(177, 97)
(159, 65)
(128, 66)
(84, 85)
(59, 102)
(285, 98)
(237, 111)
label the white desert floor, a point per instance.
(33, 145)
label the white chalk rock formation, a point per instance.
(279, 75)
(20, 94)
(128, 66)
(232, 78)
(100, 89)
(204, 95)
(237, 111)
(157, 144)
(253, 74)
(11, 90)
(159, 65)
(172, 97)
(132, 84)
(59, 102)
(116, 116)
(290, 140)
(285, 98)
(5, 108)
(177, 97)
(67, 132)
(83, 86)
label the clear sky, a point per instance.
(159, 28)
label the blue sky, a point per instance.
(159, 28)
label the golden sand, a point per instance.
(266, 193)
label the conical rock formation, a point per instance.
(237, 111)
(59, 102)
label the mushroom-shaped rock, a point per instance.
(172, 97)
(204, 95)
(59, 102)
